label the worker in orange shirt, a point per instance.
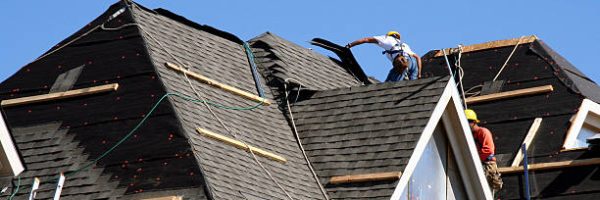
(486, 149)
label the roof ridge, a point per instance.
(489, 45)
(190, 23)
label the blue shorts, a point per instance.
(412, 72)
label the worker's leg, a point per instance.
(393, 76)
(412, 71)
(493, 176)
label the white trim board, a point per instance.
(587, 108)
(528, 139)
(449, 112)
(9, 157)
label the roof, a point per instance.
(48, 149)
(130, 45)
(533, 64)
(163, 152)
(64, 136)
(230, 172)
(365, 129)
(488, 45)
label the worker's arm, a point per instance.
(361, 41)
(487, 145)
(418, 63)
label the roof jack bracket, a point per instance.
(34, 188)
(59, 187)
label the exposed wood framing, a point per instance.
(551, 165)
(241, 145)
(489, 45)
(357, 178)
(216, 84)
(530, 135)
(510, 94)
(166, 198)
(60, 95)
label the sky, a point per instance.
(572, 28)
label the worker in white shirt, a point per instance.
(406, 63)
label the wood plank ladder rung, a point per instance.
(60, 95)
(219, 85)
(241, 145)
(371, 177)
(551, 165)
(510, 94)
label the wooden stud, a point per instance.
(241, 145)
(60, 95)
(166, 198)
(357, 178)
(530, 135)
(222, 86)
(510, 94)
(551, 165)
(489, 45)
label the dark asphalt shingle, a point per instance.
(365, 129)
(229, 171)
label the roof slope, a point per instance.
(283, 59)
(130, 45)
(48, 150)
(532, 64)
(230, 172)
(65, 135)
(365, 129)
(580, 82)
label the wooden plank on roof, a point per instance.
(530, 135)
(551, 165)
(372, 177)
(241, 145)
(166, 198)
(219, 85)
(510, 94)
(489, 45)
(60, 95)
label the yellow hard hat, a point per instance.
(471, 115)
(391, 33)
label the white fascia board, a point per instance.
(450, 94)
(464, 148)
(586, 107)
(11, 161)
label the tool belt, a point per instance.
(490, 158)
